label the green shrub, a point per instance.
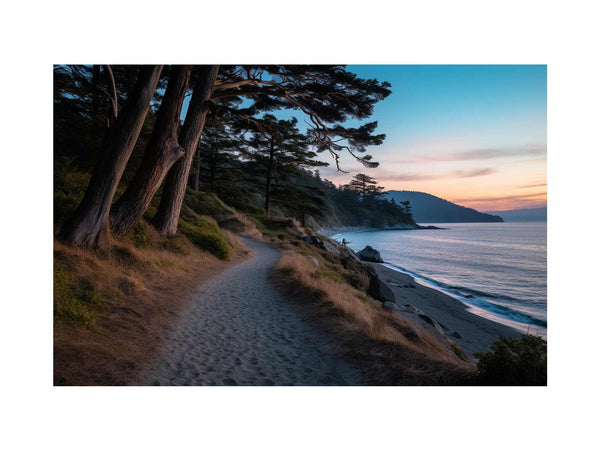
(459, 351)
(208, 204)
(178, 245)
(207, 235)
(69, 186)
(513, 362)
(139, 236)
(70, 305)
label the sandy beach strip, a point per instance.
(476, 333)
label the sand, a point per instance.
(477, 333)
(242, 330)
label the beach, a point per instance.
(476, 333)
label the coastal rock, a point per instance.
(389, 306)
(411, 334)
(456, 335)
(330, 248)
(380, 291)
(370, 254)
(433, 323)
(414, 309)
(314, 241)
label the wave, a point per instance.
(483, 300)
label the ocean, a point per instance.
(497, 269)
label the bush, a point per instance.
(207, 235)
(513, 362)
(207, 203)
(140, 235)
(71, 305)
(69, 186)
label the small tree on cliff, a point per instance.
(366, 186)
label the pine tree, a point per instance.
(366, 186)
(279, 150)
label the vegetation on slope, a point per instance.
(333, 287)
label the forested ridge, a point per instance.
(131, 141)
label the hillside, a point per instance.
(427, 208)
(523, 215)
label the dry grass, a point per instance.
(113, 306)
(394, 350)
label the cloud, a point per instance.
(394, 176)
(408, 177)
(478, 154)
(500, 199)
(525, 186)
(475, 173)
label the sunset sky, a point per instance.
(474, 135)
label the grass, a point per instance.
(141, 235)
(398, 351)
(206, 234)
(72, 304)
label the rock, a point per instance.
(456, 335)
(380, 291)
(469, 296)
(330, 248)
(427, 319)
(433, 323)
(315, 261)
(314, 241)
(370, 254)
(411, 334)
(414, 309)
(389, 306)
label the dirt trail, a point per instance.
(242, 330)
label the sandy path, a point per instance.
(241, 330)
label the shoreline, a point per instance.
(332, 231)
(472, 332)
(473, 309)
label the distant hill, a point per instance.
(427, 208)
(523, 215)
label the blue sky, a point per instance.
(471, 134)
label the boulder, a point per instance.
(314, 241)
(389, 306)
(413, 309)
(330, 248)
(380, 291)
(370, 254)
(411, 334)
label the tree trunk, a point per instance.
(88, 225)
(213, 167)
(196, 181)
(268, 183)
(161, 153)
(167, 216)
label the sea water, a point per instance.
(497, 269)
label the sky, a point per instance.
(474, 135)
